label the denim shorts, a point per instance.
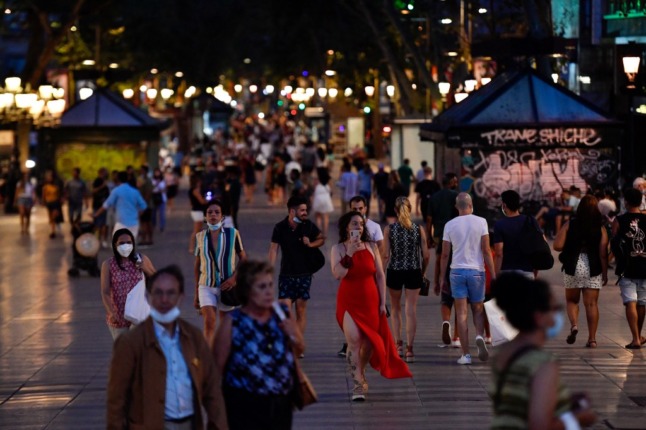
(468, 284)
(633, 290)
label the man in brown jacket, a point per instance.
(162, 373)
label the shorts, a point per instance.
(581, 277)
(410, 279)
(146, 215)
(101, 220)
(633, 290)
(468, 284)
(210, 296)
(197, 216)
(27, 202)
(294, 287)
(446, 299)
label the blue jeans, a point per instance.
(468, 284)
(160, 211)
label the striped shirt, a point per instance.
(513, 410)
(226, 247)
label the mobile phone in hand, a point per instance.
(355, 235)
(279, 311)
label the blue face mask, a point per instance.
(297, 220)
(559, 321)
(214, 227)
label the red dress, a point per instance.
(358, 295)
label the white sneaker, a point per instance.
(483, 354)
(465, 359)
(455, 343)
(446, 333)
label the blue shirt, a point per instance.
(365, 181)
(127, 202)
(179, 388)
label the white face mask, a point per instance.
(125, 249)
(214, 227)
(166, 318)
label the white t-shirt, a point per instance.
(465, 235)
(374, 231)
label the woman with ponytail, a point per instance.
(406, 258)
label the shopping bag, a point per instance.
(137, 307)
(501, 330)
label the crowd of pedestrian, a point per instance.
(247, 353)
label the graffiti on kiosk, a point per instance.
(539, 174)
(543, 137)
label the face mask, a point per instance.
(125, 249)
(297, 220)
(214, 227)
(559, 321)
(166, 318)
(502, 209)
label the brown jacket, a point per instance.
(137, 382)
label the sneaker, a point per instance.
(455, 343)
(483, 354)
(465, 359)
(446, 333)
(358, 393)
(343, 350)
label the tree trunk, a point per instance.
(34, 75)
(405, 93)
(422, 71)
(539, 17)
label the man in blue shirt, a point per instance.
(128, 204)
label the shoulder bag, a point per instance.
(315, 259)
(497, 398)
(137, 307)
(535, 247)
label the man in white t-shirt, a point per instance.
(359, 204)
(467, 237)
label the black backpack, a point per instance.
(535, 247)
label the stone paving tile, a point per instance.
(55, 348)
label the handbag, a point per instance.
(501, 330)
(303, 393)
(426, 286)
(137, 307)
(230, 297)
(535, 247)
(314, 258)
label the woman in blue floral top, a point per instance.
(254, 350)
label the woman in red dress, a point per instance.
(361, 305)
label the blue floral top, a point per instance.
(261, 360)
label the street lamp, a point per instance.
(460, 96)
(390, 90)
(370, 90)
(444, 88)
(631, 68)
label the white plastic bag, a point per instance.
(501, 330)
(137, 307)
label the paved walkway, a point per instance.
(55, 347)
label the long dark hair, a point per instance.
(344, 222)
(588, 216)
(133, 255)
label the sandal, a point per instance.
(572, 336)
(400, 348)
(633, 346)
(591, 344)
(410, 357)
